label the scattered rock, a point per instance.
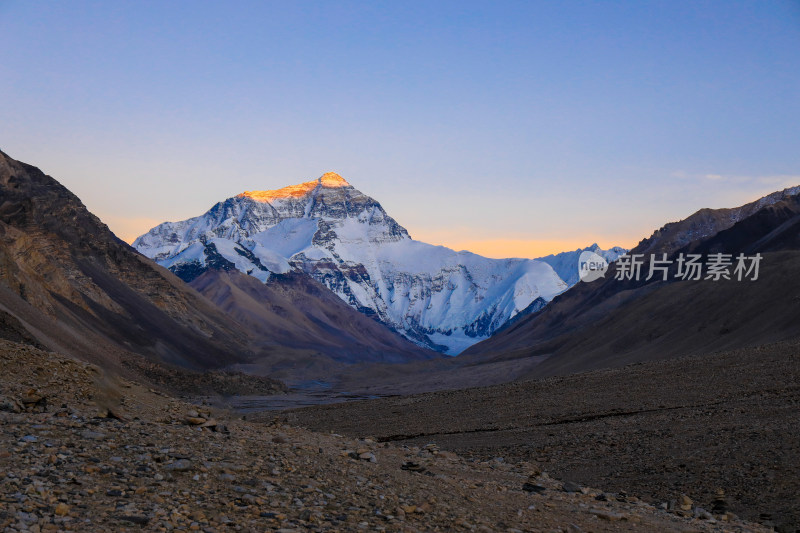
(93, 435)
(448, 456)
(31, 397)
(532, 487)
(139, 520)
(611, 516)
(720, 503)
(685, 503)
(210, 423)
(181, 465)
(69, 470)
(10, 405)
(413, 467)
(702, 514)
(62, 509)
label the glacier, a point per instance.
(436, 297)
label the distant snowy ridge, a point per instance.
(437, 297)
(566, 263)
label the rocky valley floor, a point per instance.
(694, 426)
(80, 451)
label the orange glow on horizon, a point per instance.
(494, 248)
(128, 228)
(525, 248)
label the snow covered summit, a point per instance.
(435, 296)
(330, 180)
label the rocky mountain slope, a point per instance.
(612, 322)
(68, 284)
(164, 465)
(300, 314)
(706, 223)
(71, 285)
(436, 297)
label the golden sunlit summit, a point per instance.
(330, 180)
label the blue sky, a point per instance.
(507, 128)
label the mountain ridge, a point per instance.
(79, 289)
(67, 283)
(612, 322)
(436, 297)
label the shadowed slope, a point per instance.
(76, 288)
(300, 313)
(611, 322)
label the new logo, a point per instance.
(591, 266)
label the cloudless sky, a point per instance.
(506, 128)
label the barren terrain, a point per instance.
(696, 425)
(82, 451)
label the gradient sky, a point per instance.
(506, 128)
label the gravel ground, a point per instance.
(725, 423)
(84, 452)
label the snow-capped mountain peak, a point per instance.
(326, 228)
(329, 180)
(332, 179)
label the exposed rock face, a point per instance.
(298, 215)
(436, 297)
(706, 223)
(75, 287)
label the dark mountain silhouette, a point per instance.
(75, 287)
(611, 322)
